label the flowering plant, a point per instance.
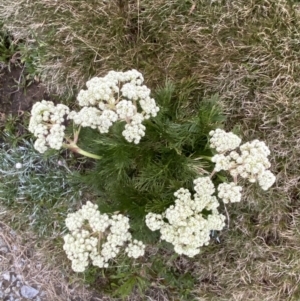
(140, 169)
(118, 96)
(186, 227)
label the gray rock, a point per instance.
(2, 243)
(6, 276)
(28, 292)
(4, 249)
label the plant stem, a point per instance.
(74, 148)
(212, 174)
(205, 158)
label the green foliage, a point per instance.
(15, 51)
(7, 46)
(119, 280)
(136, 179)
(171, 278)
(122, 279)
(31, 56)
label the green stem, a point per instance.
(204, 157)
(74, 148)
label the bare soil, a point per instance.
(17, 94)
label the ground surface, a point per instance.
(247, 52)
(16, 93)
(25, 274)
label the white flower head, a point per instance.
(183, 224)
(230, 192)
(223, 141)
(221, 161)
(135, 249)
(123, 96)
(134, 130)
(91, 229)
(266, 179)
(249, 160)
(204, 186)
(46, 123)
(154, 221)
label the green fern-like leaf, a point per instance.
(136, 179)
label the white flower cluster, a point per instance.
(135, 249)
(97, 237)
(250, 160)
(222, 141)
(266, 179)
(230, 192)
(46, 124)
(116, 96)
(154, 221)
(183, 224)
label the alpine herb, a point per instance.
(118, 96)
(184, 224)
(98, 237)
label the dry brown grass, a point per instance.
(248, 52)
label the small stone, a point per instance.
(18, 165)
(6, 276)
(2, 243)
(38, 266)
(28, 292)
(4, 249)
